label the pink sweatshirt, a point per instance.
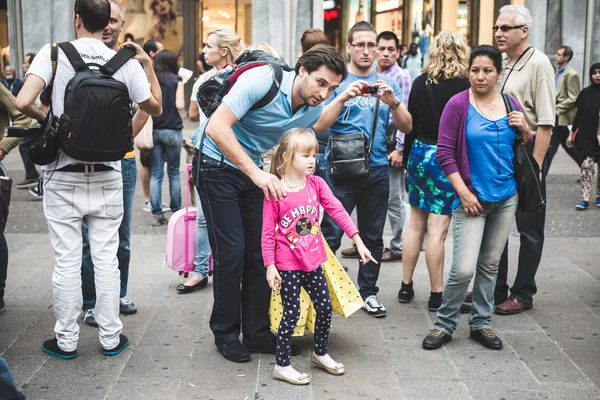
(298, 244)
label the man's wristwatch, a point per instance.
(396, 104)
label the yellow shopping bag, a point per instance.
(307, 313)
(345, 298)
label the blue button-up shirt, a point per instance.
(559, 74)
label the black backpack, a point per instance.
(210, 93)
(98, 110)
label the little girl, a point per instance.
(293, 249)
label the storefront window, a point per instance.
(388, 16)
(224, 14)
(358, 10)
(4, 48)
(160, 20)
(422, 23)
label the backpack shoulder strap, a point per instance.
(118, 60)
(73, 56)
(267, 98)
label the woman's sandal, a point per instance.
(338, 369)
(303, 379)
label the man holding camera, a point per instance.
(92, 191)
(351, 109)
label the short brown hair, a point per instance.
(362, 26)
(312, 37)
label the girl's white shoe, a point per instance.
(328, 364)
(290, 375)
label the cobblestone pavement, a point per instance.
(551, 351)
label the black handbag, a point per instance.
(44, 148)
(349, 153)
(532, 194)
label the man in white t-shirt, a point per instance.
(75, 190)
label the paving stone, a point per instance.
(447, 390)
(145, 389)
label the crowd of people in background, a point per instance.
(441, 131)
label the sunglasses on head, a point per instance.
(506, 28)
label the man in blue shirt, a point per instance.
(349, 111)
(232, 188)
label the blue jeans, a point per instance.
(370, 197)
(321, 166)
(8, 389)
(202, 244)
(88, 286)
(3, 263)
(478, 245)
(167, 142)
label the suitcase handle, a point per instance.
(188, 169)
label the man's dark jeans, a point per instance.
(30, 170)
(3, 263)
(559, 138)
(233, 208)
(129, 172)
(370, 197)
(8, 389)
(531, 227)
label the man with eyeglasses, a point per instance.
(527, 76)
(349, 111)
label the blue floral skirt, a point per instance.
(428, 187)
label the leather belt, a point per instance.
(88, 168)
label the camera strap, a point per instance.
(375, 116)
(54, 60)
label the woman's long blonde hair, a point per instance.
(448, 57)
(227, 39)
(292, 141)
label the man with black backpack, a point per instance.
(232, 185)
(84, 181)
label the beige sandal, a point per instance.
(338, 369)
(303, 379)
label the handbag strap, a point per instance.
(510, 107)
(54, 60)
(436, 112)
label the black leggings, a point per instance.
(315, 284)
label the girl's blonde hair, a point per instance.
(448, 57)
(227, 39)
(267, 48)
(294, 140)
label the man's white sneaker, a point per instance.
(373, 307)
(88, 318)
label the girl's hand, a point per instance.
(364, 253)
(273, 277)
(470, 203)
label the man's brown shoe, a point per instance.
(350, 252)
(388, 255)
(512, 306)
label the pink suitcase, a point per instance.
(181, 236)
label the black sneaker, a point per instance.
(374, 307)
(50, 346)
(487, 337)
(234, 351)
(436, 339)
(27, 183)
(123, 342)
(435, 301)
(2, 306)
(406, 293)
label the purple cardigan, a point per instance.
(452, 140)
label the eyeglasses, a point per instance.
(506, 28)
(361, 46)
